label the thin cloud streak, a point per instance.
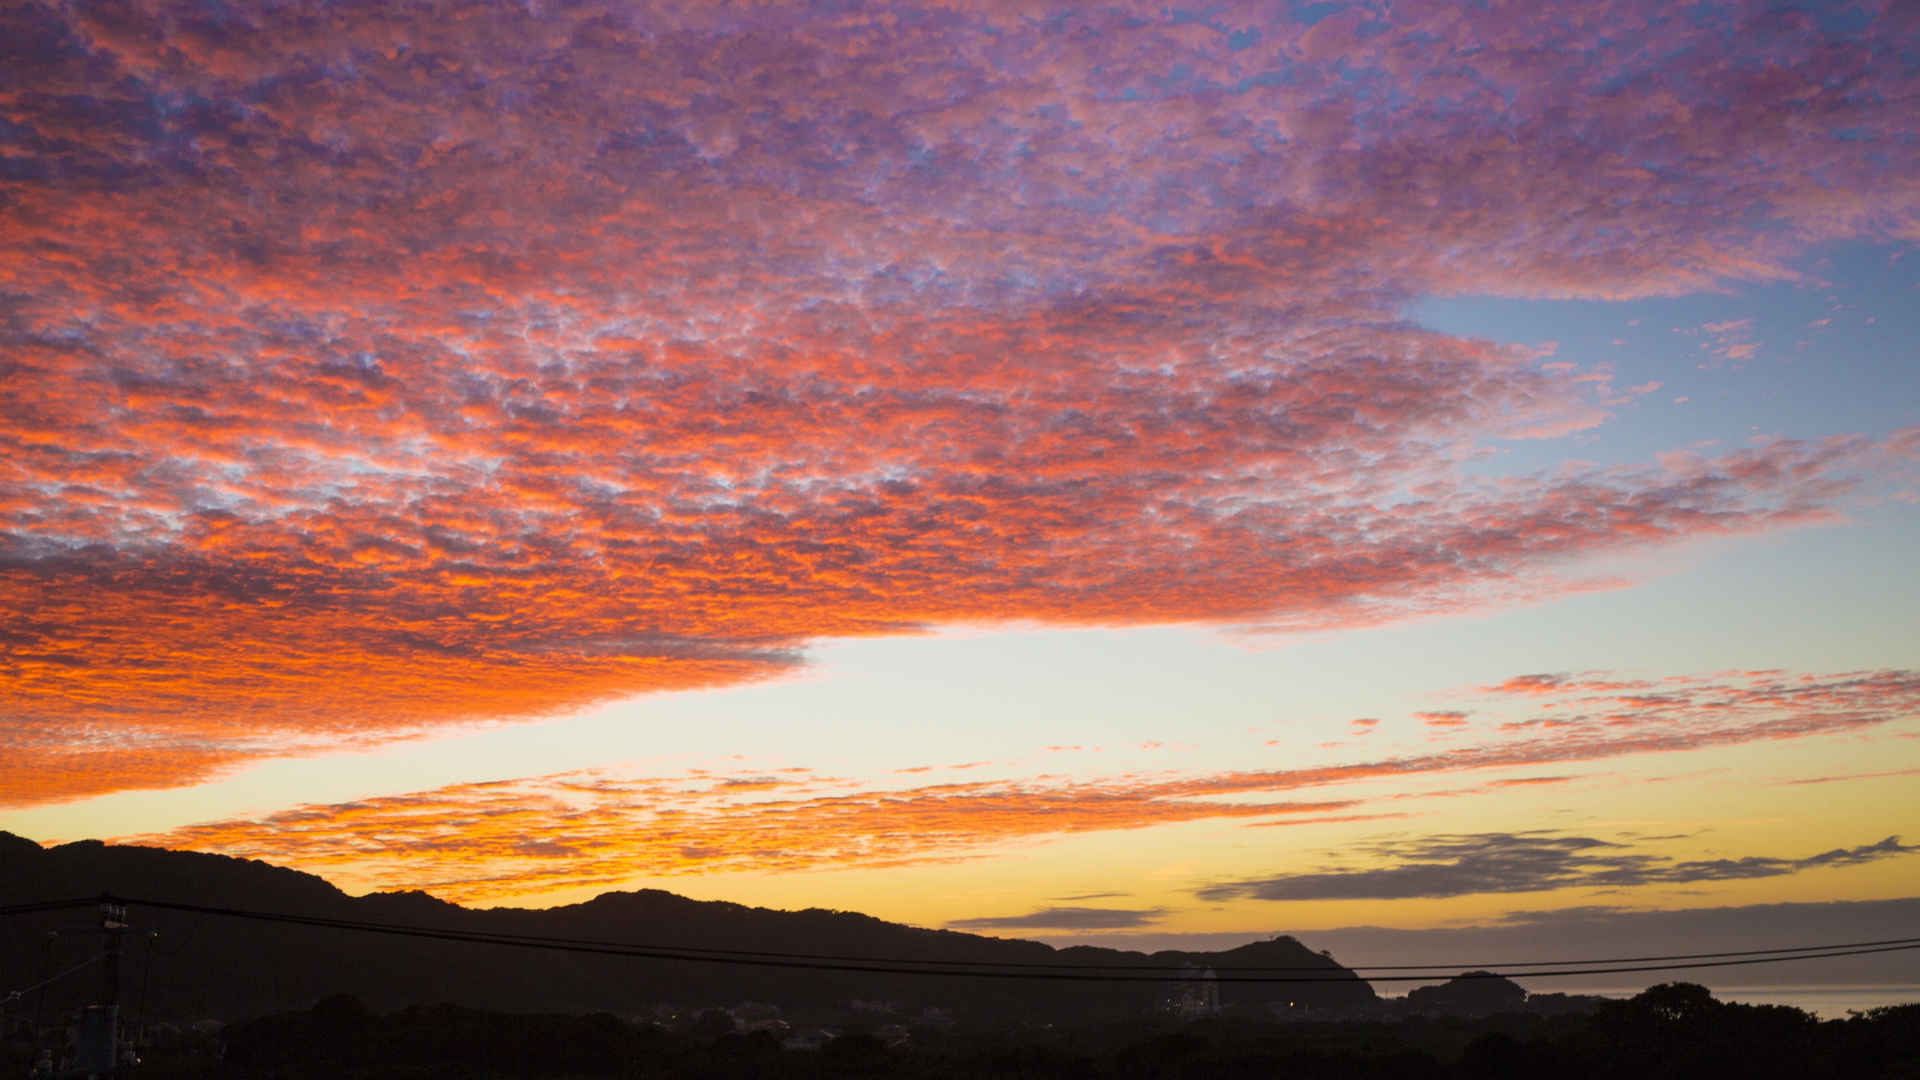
(470, 841)
(1064, 918)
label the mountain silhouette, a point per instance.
(1474, 993)
(185, 966)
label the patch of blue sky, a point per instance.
(1308, 13)
(1843, 19)
(1831, 354)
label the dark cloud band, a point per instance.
(1482, 863)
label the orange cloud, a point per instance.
(504, 839)
(523, 837)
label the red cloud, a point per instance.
(1550, 684)
(1528, 781)
(357, 400)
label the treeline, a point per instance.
(1674, 1030)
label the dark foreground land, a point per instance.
(1674, 1030)
(215, 966)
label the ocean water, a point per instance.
(1830, 1002)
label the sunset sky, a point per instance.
(1126, 470)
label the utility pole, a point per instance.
(113, 920)
(46, 977)
(99, 1050)
(139, 1036)
(44, 1048)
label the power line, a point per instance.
(48, 905)
(988, 969)
(894, 965)
(16, 995)
(703, 952)
(1901, 942)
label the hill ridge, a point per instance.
(277, 966)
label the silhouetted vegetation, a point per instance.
(1672, 1030)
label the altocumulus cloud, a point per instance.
(1442, 866)
(547, 354)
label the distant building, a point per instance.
(1196, 993)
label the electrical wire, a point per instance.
(16, 995)
(998, 971)
(48, 905)
(689, 951)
